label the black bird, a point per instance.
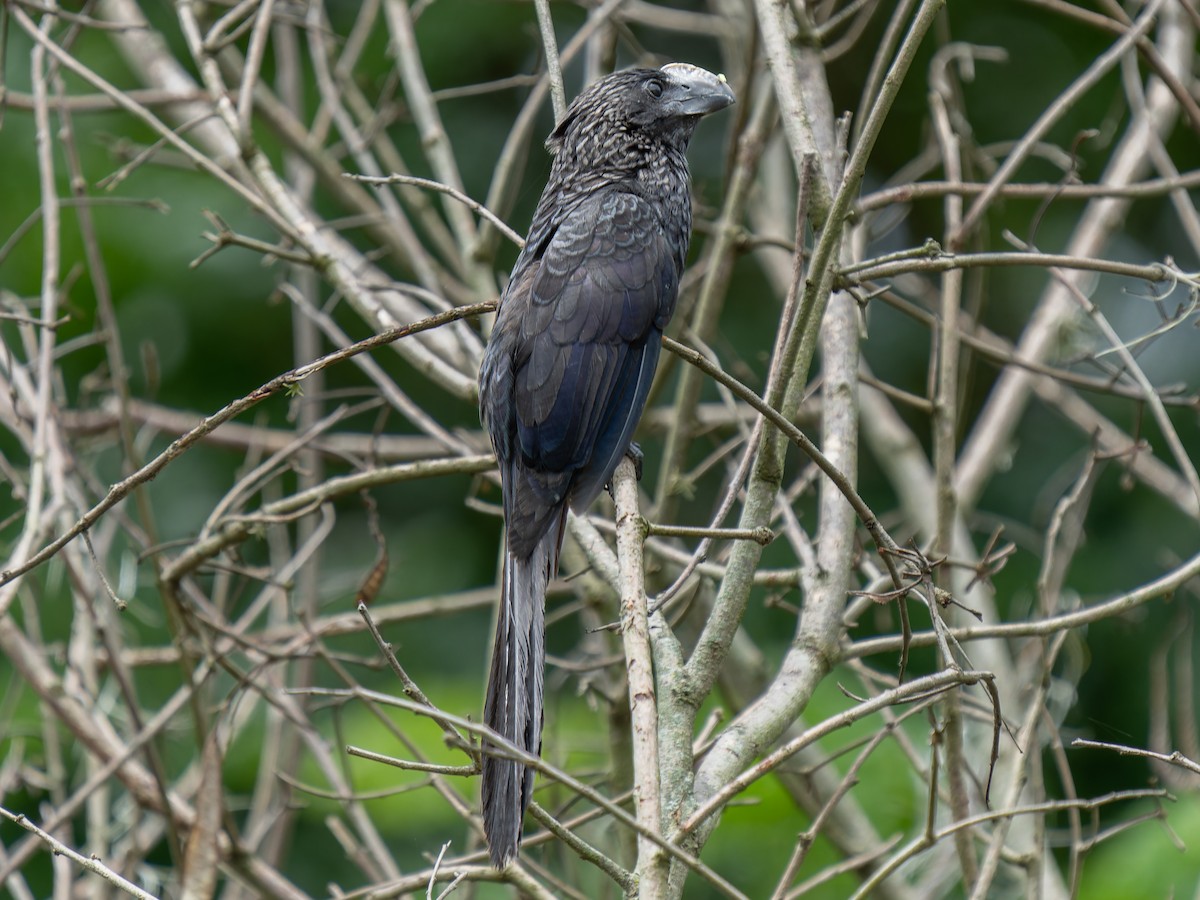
(571, 357)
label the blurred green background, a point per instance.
(197, 338)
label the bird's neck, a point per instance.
(619, 153)
(666, 179)
(660, 174)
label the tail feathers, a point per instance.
(513, 708)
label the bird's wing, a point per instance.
(589, 339)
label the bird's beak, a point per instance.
(692, 91)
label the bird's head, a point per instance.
(657, 104)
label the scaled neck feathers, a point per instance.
(605, 138)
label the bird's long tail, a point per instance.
(513, 708)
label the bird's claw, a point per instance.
(637, 457)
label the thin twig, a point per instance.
(90, 863)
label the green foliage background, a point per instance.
(197, 338)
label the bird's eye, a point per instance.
(654, 88)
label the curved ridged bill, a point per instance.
(698, 91)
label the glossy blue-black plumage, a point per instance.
(571, 359)
(589, 339)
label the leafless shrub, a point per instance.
(135, 666)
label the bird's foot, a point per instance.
(637, 457)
